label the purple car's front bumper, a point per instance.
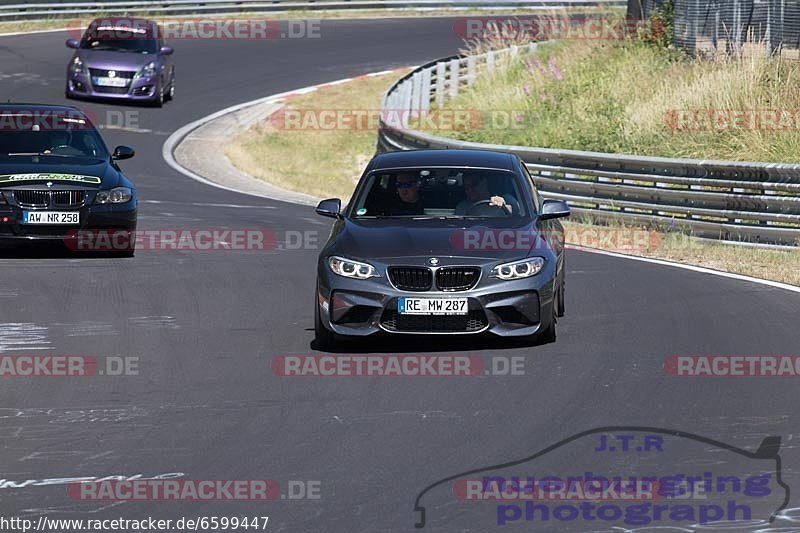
(136, 89)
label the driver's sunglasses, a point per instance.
(405, 184)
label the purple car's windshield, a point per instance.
(97, 39)
(440, 192)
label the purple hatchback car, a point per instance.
(121, 58)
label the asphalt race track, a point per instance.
(205, 327)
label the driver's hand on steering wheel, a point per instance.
(497, 201)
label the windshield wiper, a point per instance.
(39, 154)
(109, 48)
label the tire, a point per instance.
(323, 338)
(159, 99)
(548, 335)
(560, 310)
(170, 95)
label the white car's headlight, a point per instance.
(519, 269)
(352, 269)
(77, 66)
(148, 71)
(117, 195)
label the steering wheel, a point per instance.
(65, 149)
(490, 204)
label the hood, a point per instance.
(392, 240)
(110, 60)
(76, 172)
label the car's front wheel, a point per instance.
(158, 101)
(170, 94)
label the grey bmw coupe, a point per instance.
(442, 242)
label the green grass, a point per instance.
(620, 96)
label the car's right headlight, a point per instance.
(352, 269)
(77, 66)
(117, 195)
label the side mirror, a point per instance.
(554, 209)
(330, 208)
(166, 50)
(122, 152)
(72, 43)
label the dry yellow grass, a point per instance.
(318, 162)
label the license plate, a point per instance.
(51, 217)
(432, 306)
(110, 82)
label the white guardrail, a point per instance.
(37, 9)
(737, 201)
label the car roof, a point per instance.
(444, 158)
(18, 106)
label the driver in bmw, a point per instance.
(58, 140)
(480, 201)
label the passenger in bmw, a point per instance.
(410, 203)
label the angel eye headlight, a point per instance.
(518, 269)
(351, 269)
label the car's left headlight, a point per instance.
(148, 71)
(519, 269)
(117, 195)
(352, 269)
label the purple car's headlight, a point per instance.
(77, 66)
(148, 71)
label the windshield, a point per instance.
(26, 134)
(440, 192)
(119, 40)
